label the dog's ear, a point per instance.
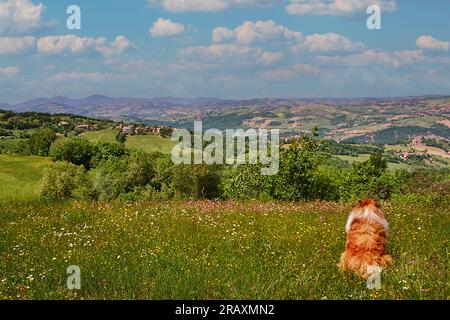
(377, 203)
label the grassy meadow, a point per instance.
(204, 249)
(19, 176)
(147, 143)
(212, 250)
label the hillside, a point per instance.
(381, 121)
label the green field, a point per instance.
(101, 136)
(19, 176)
(150, 143)
(365, 157)
(213, 250)
(147, 143)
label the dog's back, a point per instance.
(366, 239)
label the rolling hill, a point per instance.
(363, 120)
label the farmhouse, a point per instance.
(128, 130)
(85, 127)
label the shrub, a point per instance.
(244, 183)
(196, 181)
(109, 180)
(163, 168)
(105, 150)
(139, 171)
(63, 180)
(116, 177)
(367, 179)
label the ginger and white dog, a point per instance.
(365, 252)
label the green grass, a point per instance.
(108, 135)
(213, 250)
(365, 157)
(147, 143)
(8, 143)
(19, 176)
(359, 158)
(150, 143)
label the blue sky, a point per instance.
(223, 48)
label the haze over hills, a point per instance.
(360, 120)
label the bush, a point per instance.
(298, 164)
(163, 167)
(108, 179)
(74, 150)
(63, 180)
(245, 183)
(196, 181)
(325, 183)
(139, 171)
(368, 179)
(40, 142)
(105, 150)
(117, 177)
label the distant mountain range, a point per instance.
(169, 107)
(108, 107)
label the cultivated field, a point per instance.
(213, 250)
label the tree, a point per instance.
(368, 178)
(121, 137)
(74, 150)
(298, 164)
(105, 150)
(40, 142)
(139, 170)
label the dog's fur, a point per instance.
(366, 228)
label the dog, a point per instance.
(366, 228)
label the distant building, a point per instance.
(128, 130)
(83, 127)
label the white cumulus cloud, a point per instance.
(207, 5)
(166, 28)
(231, 53)
(259, 31)
(327, 43)
(430, 43)
(71, 44)
(388, 58)
(16, 45)
(20, 17)
(336, 7)
(120, 45)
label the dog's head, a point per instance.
(368, 210)
(367, 203)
